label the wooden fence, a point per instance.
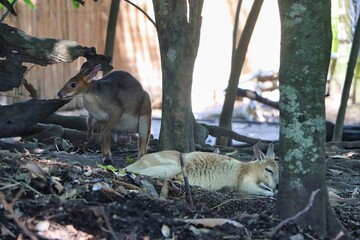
(136, 46)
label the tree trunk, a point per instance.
(236, 66)
(111, 29)
(339, 124)
(178, 41)
(304, 61)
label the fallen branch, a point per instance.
(73, 122)
(345, 144)
(254, 96)
(107, 221)
(17, 47)
(307, 208)
(219, 132)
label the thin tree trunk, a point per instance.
(304, 61)
(236, 67)
(178, 41)
(111, 29)
(339, 124)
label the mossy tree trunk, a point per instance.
(304, 61)
(179, 34)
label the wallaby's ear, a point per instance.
(86, 67)
(259, 154)
(91, 73)
(270, 154)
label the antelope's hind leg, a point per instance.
(106, 149)
(144, 134)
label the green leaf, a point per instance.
(112, 168)
(29, 4)
(76, 4)
(108, 167)
(130, 160)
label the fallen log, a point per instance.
(73, 122)
(46, 133)
(17, 118)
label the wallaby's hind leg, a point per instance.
(106, 149)
(144, 134)
(105, 142)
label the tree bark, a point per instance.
(179, 36)
(304, 61)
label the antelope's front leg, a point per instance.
(91, 123)
(109, 124)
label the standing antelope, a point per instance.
(117, 103)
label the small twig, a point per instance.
(23, 184)
(186, 182)
(108, 224)
(9, 186)
(307, 208)
(143, 12)
(9, 207)
(10, 9)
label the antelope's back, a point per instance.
(127, 90)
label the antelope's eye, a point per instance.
(73, 85)
(269, 170)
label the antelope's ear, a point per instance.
(270, 154)
(91, 73)
(86, 67)
(259, 154)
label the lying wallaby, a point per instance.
(117, 103)
(213, 171)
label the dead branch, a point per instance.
(142, 11)
(44, 132)
(347, 145)
(10, 8)
(254, 96)
(73, 122)
(17, 47)
(296, 216)
(219, 132)
(30, 88)
(9, 207)
(107, 222)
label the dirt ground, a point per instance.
(57, 191)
